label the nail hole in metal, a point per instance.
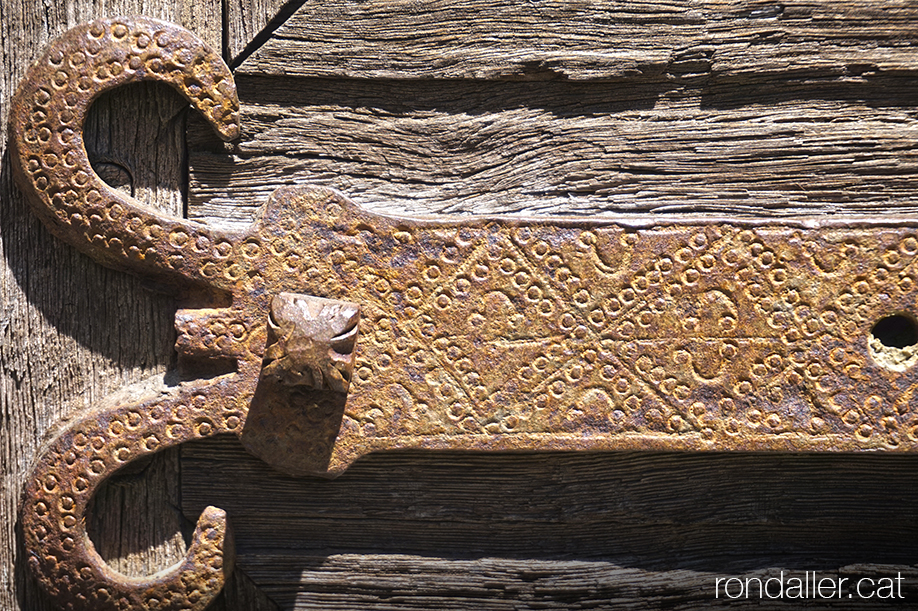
(896, 331)
(893, 341)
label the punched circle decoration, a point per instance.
(355, 332)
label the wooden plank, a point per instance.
(841, 39)
(546, 39)
(72, 331)
(556, 531)
(375, 582)
(476, 39)
(241, 594)
(419, 147)
(249, 23)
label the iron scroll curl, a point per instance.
(309, 343)
(52, 168)
(475, 333)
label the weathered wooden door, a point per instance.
(710, 108)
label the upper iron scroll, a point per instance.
(50, 161)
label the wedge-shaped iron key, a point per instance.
(355, 332)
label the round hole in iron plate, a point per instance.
(896, 331)
(893, 341)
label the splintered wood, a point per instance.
(570, 107)
(726, 320)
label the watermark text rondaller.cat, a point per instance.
(810, 585)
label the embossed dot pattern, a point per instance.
(91, 449)
(51, 166)
(46, 131)
(474, 333)
(506, 334)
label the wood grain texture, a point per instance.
(557, 531)
(786, 147)
(249, 23)
(72, 331)
(588, 40)
(715, 107)
(758, 109)
(736, 112)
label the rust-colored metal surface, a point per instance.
(311, 342)
(474, 333)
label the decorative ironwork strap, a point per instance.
(474, 333)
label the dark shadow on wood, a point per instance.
(682, 517)
(470, 96)
(570, 98)
(872, 89)
(241, 594)
(113, 523)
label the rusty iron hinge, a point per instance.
(474, 333)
